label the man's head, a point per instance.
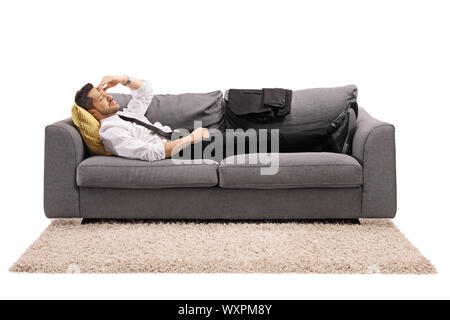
(96, 102)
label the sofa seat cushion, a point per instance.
(118, 172)
(295, 170)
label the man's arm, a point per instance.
(173, 147)
(112, 81)
(120, 143)
(141, 91)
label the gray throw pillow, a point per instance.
(181, 110)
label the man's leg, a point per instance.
(254, 141)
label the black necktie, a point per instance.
(148, 126)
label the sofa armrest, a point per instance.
(374, 148)
(64, 150)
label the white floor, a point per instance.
(396, 52)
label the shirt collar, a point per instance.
(111, 118)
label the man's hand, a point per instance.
(199, 135)
(111, 81)
(173, 147)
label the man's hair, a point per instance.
(82, 99)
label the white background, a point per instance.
(397, 52)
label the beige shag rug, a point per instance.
(373, 246)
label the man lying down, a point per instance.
(128, 133)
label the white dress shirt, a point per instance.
(130, 140)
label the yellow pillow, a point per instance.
(89, 127)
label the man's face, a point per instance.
(103, 103)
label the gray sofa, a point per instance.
(308, 185)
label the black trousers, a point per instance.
(230, 143)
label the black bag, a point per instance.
(260, 106)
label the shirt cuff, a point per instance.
(159, 150)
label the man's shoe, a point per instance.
(341, 139)
(347, 148)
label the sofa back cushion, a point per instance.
(181, 110)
